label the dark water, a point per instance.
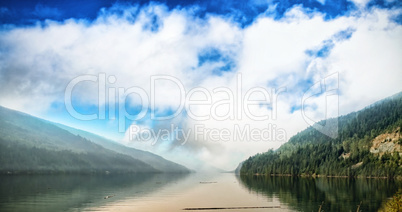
(334, 194)
(170, 192)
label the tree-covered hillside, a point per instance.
(155, 161)
(368, 144)
(32, 145)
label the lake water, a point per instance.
(173, 192)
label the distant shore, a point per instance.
(325, 176)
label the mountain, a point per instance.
(155, 161)
(238, 168)
(33, 145)
(368, 144)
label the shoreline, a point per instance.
(324, 176)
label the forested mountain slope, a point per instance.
(32, 145)
(368, 144)
(155, 161)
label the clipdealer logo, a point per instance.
(239, 105)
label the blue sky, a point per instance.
(28, 12)
(290, 49)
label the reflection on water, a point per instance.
(198, 191)
(338, 194)
(72, 192)
(170, 192)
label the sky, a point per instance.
(201, 83)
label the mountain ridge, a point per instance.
(29, 144)
(310, 152)
(154, 160)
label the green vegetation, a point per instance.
(32, 145)
(313, 153)
(155, 161)
(394, 204)
(16, 158)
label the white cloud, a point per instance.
(37, 63)
(360, 3)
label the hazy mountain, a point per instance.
(30, 144)
(368, 144)
(238, 168)
(154, 160)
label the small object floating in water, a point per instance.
(110, 196)
(199, 209)
(207, 182)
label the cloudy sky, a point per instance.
(186, 79)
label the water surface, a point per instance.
(175, 192)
